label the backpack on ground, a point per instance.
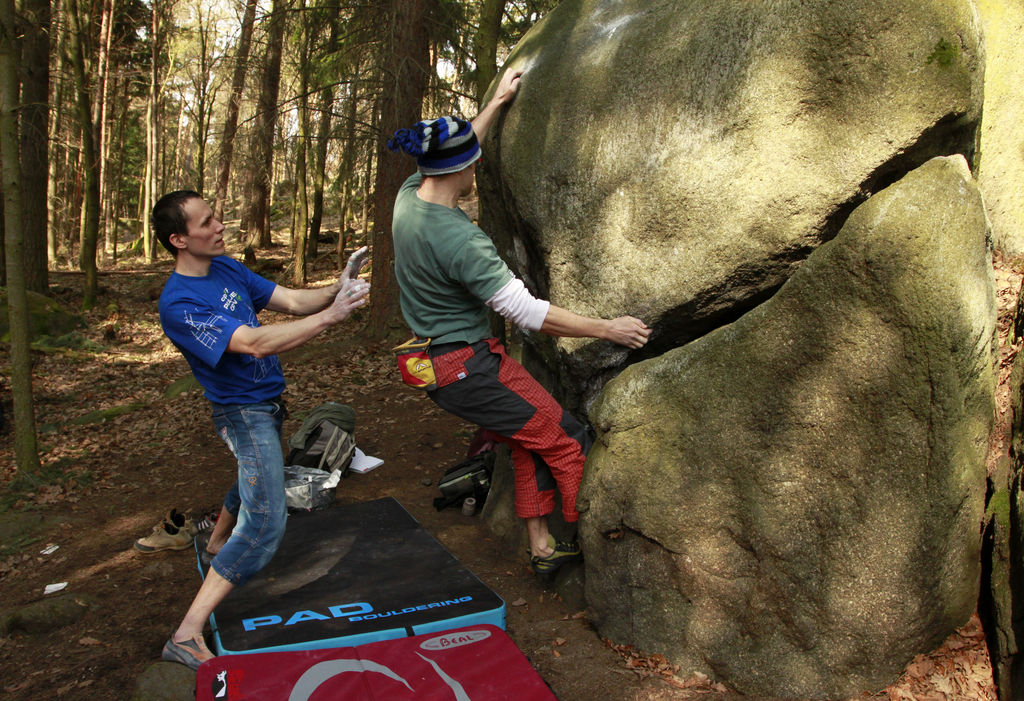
(309, 489)
(325, 439)
(470, 478)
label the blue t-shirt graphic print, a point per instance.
(200, 314)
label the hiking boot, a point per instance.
(173, 533)
(564, 553)
(187, 652)
(181, 522)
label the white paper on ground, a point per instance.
(52, 588)
(332, 481)
(363, 463)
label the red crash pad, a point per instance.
(477, 663)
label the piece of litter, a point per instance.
(53, 588)
(49, 549)
(332, 481)
(363, 463)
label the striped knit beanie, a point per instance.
(444, 145)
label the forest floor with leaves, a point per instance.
(106, 483)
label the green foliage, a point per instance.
(999, 507)
(944, 54)
(181, 386)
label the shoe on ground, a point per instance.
(173, 533)
(208, 521)
(564, 554)
(187, 652)
(181, 522)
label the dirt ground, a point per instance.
(110, 482)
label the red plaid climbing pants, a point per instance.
(482, 384)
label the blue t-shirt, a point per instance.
(199, 315)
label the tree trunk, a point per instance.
(25, 450)
(91, 198)
(174, 171)
(54, 220)
(57, 180)
(99, 115)
(346, 173)
(323, 137)
(227, 143)
(148, 198)
(35, 95)
(205, 91)
(485, 45)
(371, 153)
(299, 226)
(152, 129)
(118, 195)
(406, 57)
(258, 218)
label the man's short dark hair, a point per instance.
(169, 217)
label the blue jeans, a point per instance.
(253, 433)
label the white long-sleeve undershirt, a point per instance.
(515, 303)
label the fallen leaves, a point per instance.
(657, 666)
(49, 494)
(959, 669)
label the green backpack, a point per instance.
(325, 439)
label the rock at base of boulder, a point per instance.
(793, 502)
(166, 681)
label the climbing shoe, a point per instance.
(190, 653)
(564, 553)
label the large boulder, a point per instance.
(1001, 162)
(793, 502)
(678, 160)
(48, 321)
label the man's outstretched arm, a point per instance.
(506, 91)
(625, 330)
(515, 303)
(277, 338)
(312, 300)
